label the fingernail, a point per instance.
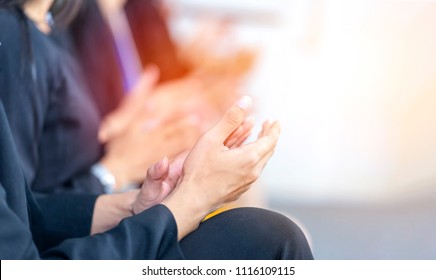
(244, 103)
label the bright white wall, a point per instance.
(354, 86)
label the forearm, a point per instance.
(148, 235)
(187, 215)
(109, 210)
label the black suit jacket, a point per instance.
(45, 227)
(51, 115)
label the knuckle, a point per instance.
(252, 159)
(234, 116)
(258, 170)
(252, 176)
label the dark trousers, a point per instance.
(247, 234)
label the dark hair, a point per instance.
(63, 11)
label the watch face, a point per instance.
(108, 180)
(104, 176)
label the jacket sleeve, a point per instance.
(55, 218)
(151, 234)
(62, 225)
(15, 236)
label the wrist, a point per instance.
(187, 215)
(109, 210)
(117, 179)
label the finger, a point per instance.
(113, 125)
(173, 175)
(260, 165)
(241, 131)
(158, 171)
(152, 186)
(116, 121)
(166, 189)
(236, 142)
(146, 81)
(231, 140)
(262, 146)
(231, 120)
(271, 129)
(265, 126)
(264, 160)
(241, 140)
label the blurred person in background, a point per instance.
(55, 124)
(116, 40)
(126, 44)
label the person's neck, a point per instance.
(37, 11)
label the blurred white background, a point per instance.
(354, 86)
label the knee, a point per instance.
(270, 231)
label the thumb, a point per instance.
(232, 119)
(147, 80)
(158, 171)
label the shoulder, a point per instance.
(10, 36)
(10, 39)
(9, 20)
(10, 33)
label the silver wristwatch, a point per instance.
(106, 178)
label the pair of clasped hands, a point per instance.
(217, 170)
(214, 171)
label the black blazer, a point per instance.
(47, 227)
(52, 117)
